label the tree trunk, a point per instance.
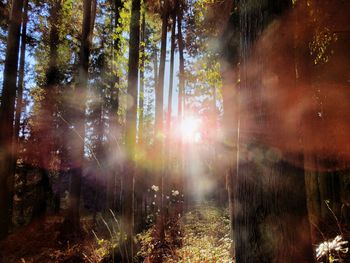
(171, 81)
(7, 108)
(112, 200)
(271, 221)
(160, 82)
(181, 58)
(131, 118)
(230, 94)
(19, 100)
(142, 78)
(77, 136)
(47, 131)
(140, 175)
(159, 121)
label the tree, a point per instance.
(19, 99)
(172, 58)
(142, 75)
(179, 10)
(160, 83)
(7, 108)
(46, 116)
(21, 72)
(269, 190)
(114, 107)
(131, 117)
(76, 144)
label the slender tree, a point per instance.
(21, 71)
(159, 119)
(160, 82)
(19, 100)
(7, 108)
(142, 76)
(114, 107)
(180, 41)
(46, 116)
(76, 150)
(171, 79)
(139, 180)
(131, 118)
(230, 90)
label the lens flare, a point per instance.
(190, 129)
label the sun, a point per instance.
(190, 129)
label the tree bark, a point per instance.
(19, 102)
(7, 108)
(21, 72)
(140, 178)
(159, 119)
(160, 82)
(181, 58)
(230, 93)
(112, 200)
(171, 81)
(270, 214)
(142, 78)
(76, 151)
(131, 118)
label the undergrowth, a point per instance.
(201, 235)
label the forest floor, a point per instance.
(42, 241)
(203, 235)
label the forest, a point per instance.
(190, 131)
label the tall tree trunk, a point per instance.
(140, 176)
(159, 121)
(160, 82)
(271, 222)
(168, 145)
(142, 78)
(171, 80)
(230, 94)
(179, 9)
(21, 72)
(112, 201)
(47, 131)
(77, 136)
(7, 108)
(131, 118)
(155, 68)
(19, 104)
(181, 58)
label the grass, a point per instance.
(203, 234)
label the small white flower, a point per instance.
(330, 246)
(175, 192)
(153, 203)
(155, 188)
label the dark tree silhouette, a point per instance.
(7, 109)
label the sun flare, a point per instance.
(190, 129)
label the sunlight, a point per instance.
(190, 129)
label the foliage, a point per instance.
(321, 44)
